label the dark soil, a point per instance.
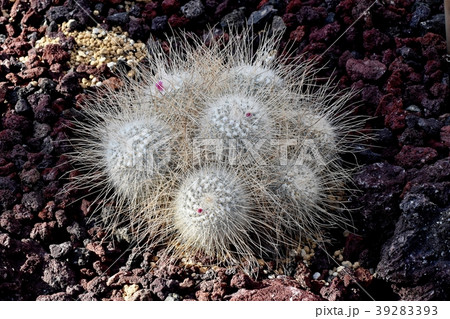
(394, 54)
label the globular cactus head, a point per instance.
(140, 142)
(136, 152)
(234, 116)
(214, 214)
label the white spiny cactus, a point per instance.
(136, 152)
(214, 213)
(139, 144)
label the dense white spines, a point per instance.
(213, 211)
(140, 143)
(236, 117)
(256, 76)
(135, 152)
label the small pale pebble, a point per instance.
(346, 263)
(356, 265)
(129, 290)
(340, 268)
(316, 275)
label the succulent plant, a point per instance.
(214, 213)
(141, 144)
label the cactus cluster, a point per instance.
(220, 149)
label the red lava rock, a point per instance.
(31, 264)
(97, 286)
(440, 90)
(85, 207)
(9, 138)
(335, 291)
(391, 108)
(96, 248)
(363, 276)
(99, 268)
(353, 247)
(432, 66)
(40, 5)
(69, 84)
(56, 70)
(87, 296)
(325, 34)
(219, 290)
(54, 53)
(276, 290)
(187, 283)
(113, 82)
(33, 73)
(293, 6)
(433, 107)
(48, 212)
(142, 295)
(241, 280)
(18, 47)
(412, 156)
(43, 231)
(170, 6)
(7, 169)
(3, 91)
(58, 275)
(203, 295)
(162, 287)
(395, 120)
(9, 222)
(445, 135)
(371, 94)
(33, 200)
(381, 177)
(17, 122)
(303, 276)
(298, 34)
(176, 21)
(114, 1)
(22, 214)
(30, 177)
(290, 20)
(88, 69)
(374, 40)
(365, 69)
(150, 11)
(10, 31)
(31, 18)
(138, 29)
(308, 15)
(12, 77)
(59, 296)
(115, 280)
(61, 218)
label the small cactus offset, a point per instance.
(220, 150)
